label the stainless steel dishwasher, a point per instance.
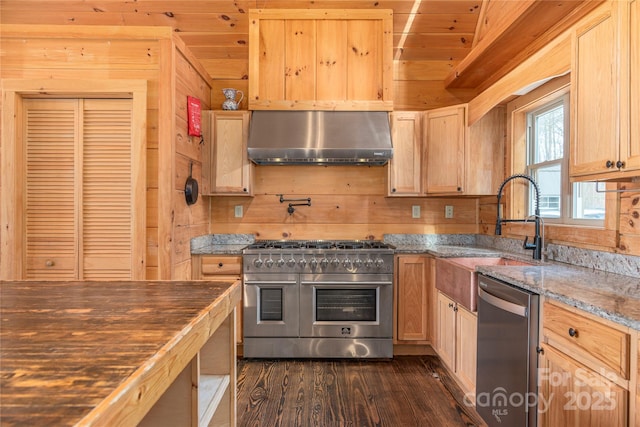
(507, 363)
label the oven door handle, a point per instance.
(502, 304)
(270, 282)
(356, 283)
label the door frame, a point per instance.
(11, 157)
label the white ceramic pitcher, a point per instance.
(230, 102)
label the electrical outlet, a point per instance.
(415, 211)
(448, 211)
(237, 211)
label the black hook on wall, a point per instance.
(291, 208)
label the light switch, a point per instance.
(415, 211)
(238, 211)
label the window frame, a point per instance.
(517, 155)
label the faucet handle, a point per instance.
(527, 245)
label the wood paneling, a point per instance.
(171, 72)
(346, 202)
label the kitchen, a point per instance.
(348, 202)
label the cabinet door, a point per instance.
(446, 330)
(413, 298)
(79, 170)
(405, 174)
(595, 100)
(226, 168)
(574, 395)
(631, 151)
(445, 132)
(466, 347)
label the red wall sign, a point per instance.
(193, 111)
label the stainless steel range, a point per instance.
(307, 299)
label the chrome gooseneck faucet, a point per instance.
(536, 246)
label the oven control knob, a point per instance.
(324, 262)
(291, 262)
(280, 262)
(347, 263)
(258, 263)
(379, 262)
(303, 262)
(335, 262)
(313, 263)
(268, 263)
(357, 263)
(368, 263)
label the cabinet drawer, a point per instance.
(221, 265)
(586, 338)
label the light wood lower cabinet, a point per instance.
(456, 341)
(584, 373)
(414, 296)
(220, 267)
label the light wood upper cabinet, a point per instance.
(404, 170)
(335, 59)
(605, 141)
(414, 298)
(443, 155)
(226, 169)
(445, 130)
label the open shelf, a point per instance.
(211, 389)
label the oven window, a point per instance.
(346, 305)
(271, 304)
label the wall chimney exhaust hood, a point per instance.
(319, 137)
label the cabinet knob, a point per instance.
(49, 263)
(609, 164)
(539, 350)
(393, 190)
(459, 188)
(220, 264)
(620, 164)
(450, 305)
(244, 189)
(573, 332)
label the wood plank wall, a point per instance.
(172, 73)
(347, 202)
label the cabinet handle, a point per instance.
(539, 350)
(455, 308)
(573, 332)
(609, 164)
(49, 263)
(620, 164)
(450, 305)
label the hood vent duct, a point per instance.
(320, 137)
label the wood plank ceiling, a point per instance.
(217, 30)
(431, 37)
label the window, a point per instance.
(547, 162)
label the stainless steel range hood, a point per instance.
(320, 137)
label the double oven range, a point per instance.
(318, 299)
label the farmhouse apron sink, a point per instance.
(457, 277)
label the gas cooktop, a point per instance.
(319, 244)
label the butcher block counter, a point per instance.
(117, 353)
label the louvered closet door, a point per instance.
(51, 133)
(107, 215)
(79, 214)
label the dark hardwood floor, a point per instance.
(405, 391)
